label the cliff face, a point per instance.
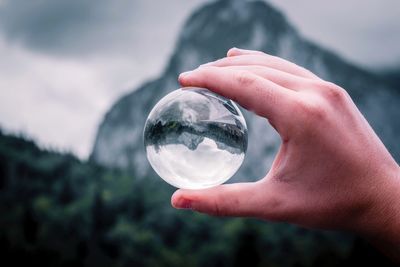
(206, 36)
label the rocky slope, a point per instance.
(206, 36)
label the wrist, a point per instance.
(380, 223)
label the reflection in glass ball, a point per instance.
(195, 138)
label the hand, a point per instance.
(332, 171)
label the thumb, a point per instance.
(240, 199)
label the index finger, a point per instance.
(251, 91)
(262, 59)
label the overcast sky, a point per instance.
(64, 63)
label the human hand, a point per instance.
(331, 171)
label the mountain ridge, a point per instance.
(206, 36)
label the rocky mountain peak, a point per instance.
(207, 35)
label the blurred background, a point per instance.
(77, 80)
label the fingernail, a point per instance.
(183, 204)
(185, 74)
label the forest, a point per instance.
(56, 210)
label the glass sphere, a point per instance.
(195, 138)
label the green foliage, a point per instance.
(58, 211)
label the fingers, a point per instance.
(278, 77)
(241, 199)
(254, 93)
(262, 59)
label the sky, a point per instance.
(63, 63)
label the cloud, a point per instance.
(64, 63)
(57, 101)
(365, 32)
(81, 27)
(66, 26)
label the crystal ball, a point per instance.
(195, 138)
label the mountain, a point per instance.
(392, 76)
(206, 36)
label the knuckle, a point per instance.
(333, 93)
(217, 210)
(312, 110)
(223, 206)
(244, 78)
(317, 111)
